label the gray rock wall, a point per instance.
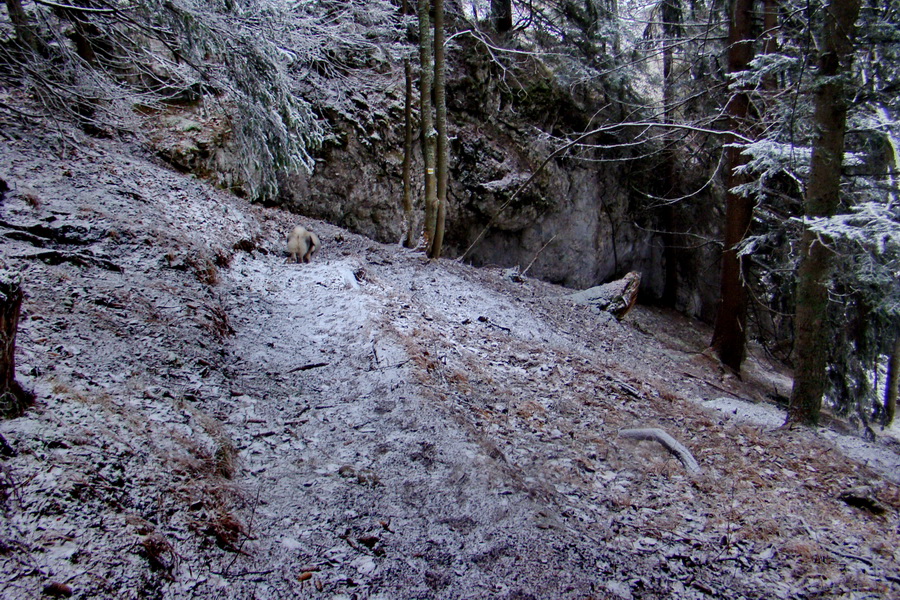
(581, 210)
(576, 224)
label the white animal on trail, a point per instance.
(302, 244)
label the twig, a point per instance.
(240, 549)
(865, 561)
(576, 142)
(308, 367)
(702, 380)
(393, 366)
(5, 106)
(538, 254)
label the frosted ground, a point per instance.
(213, 422)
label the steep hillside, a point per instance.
(214, 422)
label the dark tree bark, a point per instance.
(13, 398)
(771, 9)
(85, 35)
(822, 200)
(892, 386)
(671, 29)
(443, 146)
(730, 336)
(19, 19)
(429, 135)
(501, 15)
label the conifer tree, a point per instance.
(730, 335)
(822, 199)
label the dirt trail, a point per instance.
(214, 422)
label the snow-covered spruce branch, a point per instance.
(668, 442)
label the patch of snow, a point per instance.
(884, 460)
(742, 411)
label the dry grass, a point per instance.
(200, 468)
(31, 198)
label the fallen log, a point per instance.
(667, 441)
(616, 298)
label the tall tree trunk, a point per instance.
(19, 19)
(13, 398)
(85, 35)
(409, 216)
(501, 15)
(822, 200)
(892, 386)
(671, 16)
(440, 102)
(730, 336)
(670, 242)
(429, 135)
(771, 9)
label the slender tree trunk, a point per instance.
(410, 240)
(85, 35)
(771, 8)
(730, 336)
(822, 200)
(892, 386)
(501, 15)
(429, 135)
(670, 248)
(409, 216)
(13, 398)
(440, 101)
(670, 13)
(19, 19)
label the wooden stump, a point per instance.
(617, 297)
(13, 397)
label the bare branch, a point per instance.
(83, 9)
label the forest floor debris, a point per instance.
(214, 422)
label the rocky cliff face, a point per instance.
(578, 223)
(573, 225)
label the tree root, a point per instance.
(55, 257)
(668, 442)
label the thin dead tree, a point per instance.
(410, 239)
(443, 145)
(892, 386)
(426, 120)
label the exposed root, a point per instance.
(668, 442)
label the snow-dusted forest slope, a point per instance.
(215, 422)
